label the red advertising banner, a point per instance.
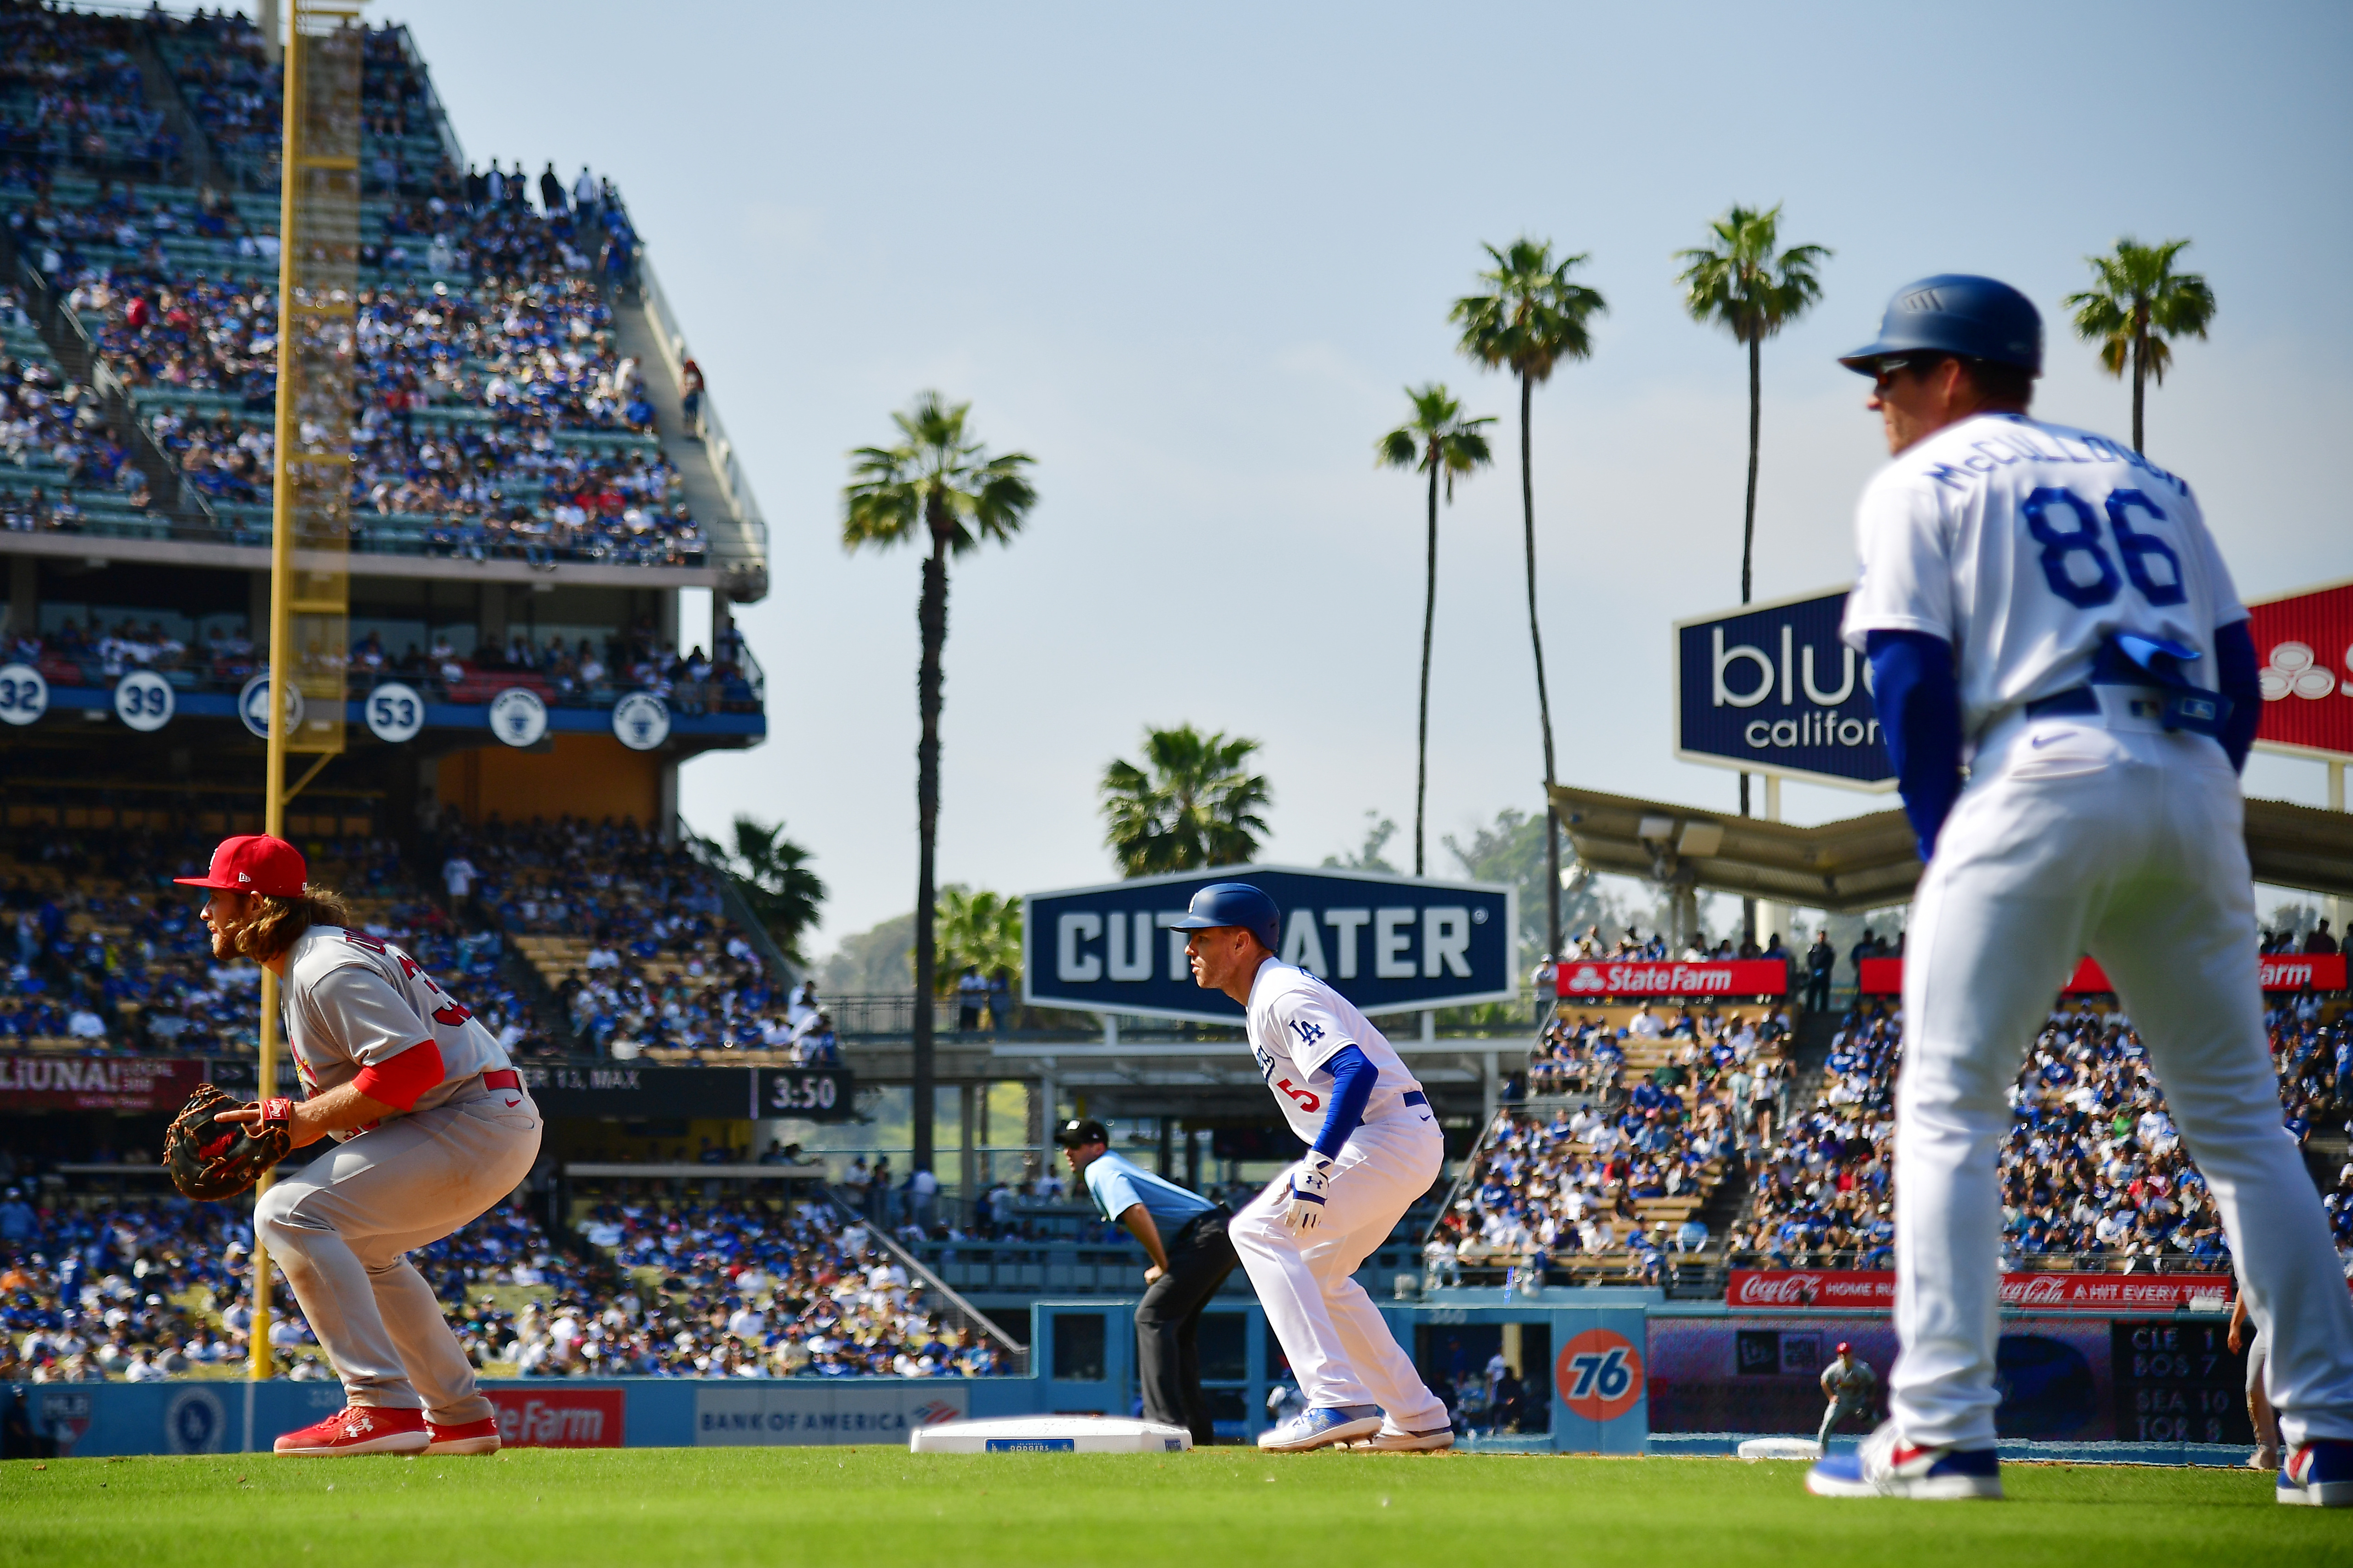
(1874, 1290)
(2274, 972)
(2305, 644)
(96, 1083)
(542, 1417)
(1596, 977)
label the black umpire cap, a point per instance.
(1080, 1131)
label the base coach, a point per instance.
(1185, 1235)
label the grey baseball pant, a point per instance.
(340, 1228)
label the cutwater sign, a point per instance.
(1770, 689)
(1390, 945)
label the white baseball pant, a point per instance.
(340, 1228)
(1339, 1346)
(2124, 842)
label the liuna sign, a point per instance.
(1769, 688)
(1390, 945)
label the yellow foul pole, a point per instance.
(281, 598)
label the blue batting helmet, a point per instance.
(1955, 313)
(1234, 904)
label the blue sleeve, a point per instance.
(2236, 670)
(1920, 716)
(1353, 1079)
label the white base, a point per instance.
(1781, 1448)
(1050, 1435)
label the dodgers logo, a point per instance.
(193, 1421)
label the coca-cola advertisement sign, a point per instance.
(1596, 977)
(2274, 972)
(1875, 1290)
(97, 1083)
(540, 1417)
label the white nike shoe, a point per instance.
(1887, 1466)
(1322, 1429)
(1391, 1440)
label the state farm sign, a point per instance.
(559, 1417)
(2274, 972)
(1874, 1290)
(1597, 977)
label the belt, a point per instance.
(503, 1077)
(1415, 1097)
(2075, 699)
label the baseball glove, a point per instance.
(211, 1160)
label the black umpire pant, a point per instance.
(1169, 1323)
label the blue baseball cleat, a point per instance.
(1887, 1465)
(1322, 1429)
(2319, 1474)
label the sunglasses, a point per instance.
(1880, 372)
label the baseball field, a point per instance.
(1219, 1507)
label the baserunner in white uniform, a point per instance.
(1374, 1148)
(2046, 607)
(434, 1128)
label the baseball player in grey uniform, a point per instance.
(1847, 1383)
(432, 1126)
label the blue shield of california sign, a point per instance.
(1769, 688)
(1390, 945)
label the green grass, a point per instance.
(1212, 1508)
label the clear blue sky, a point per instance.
(1189, 257)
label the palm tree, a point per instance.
(939, 480)
(2138, 302)
(1438, 440)
(771, 872)
(1532, 317)
(977, 929)
(1197, 805)
(1743, 284)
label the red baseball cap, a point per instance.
(254, 863)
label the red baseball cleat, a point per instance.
(474, 1438)
(359, 1429)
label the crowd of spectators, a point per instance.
(494, 415)
(2093, 1170)
(103, 954)
(71, 93)
(652, 961)
(140, 1290)
(51, 425)
(234, 88)
(1611, 1176)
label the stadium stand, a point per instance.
(123, 1289)
(1611, 1183)
(72, 93)
(632, 936)
(105, 956)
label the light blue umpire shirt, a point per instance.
(1117, 1185)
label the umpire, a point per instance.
(1185, 1235)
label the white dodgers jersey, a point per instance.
(353, 1001)
(2025, 545)
(1297, 1024)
